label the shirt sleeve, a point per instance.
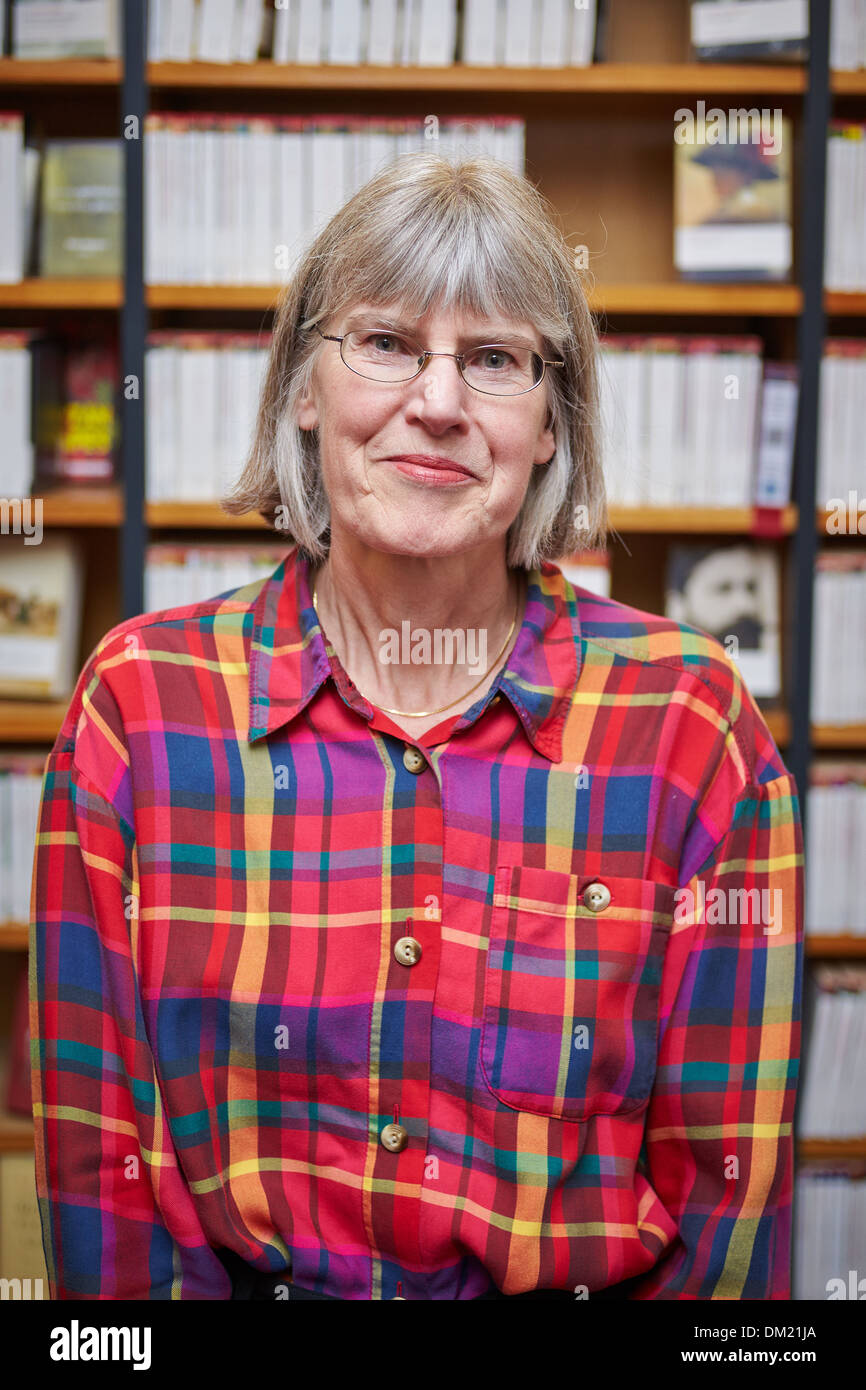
(118, 1219)
(718, 1142)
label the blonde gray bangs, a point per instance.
(423, 233)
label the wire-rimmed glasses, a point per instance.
(494, 369)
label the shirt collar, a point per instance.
(289, 660)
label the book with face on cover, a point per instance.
(732, 194)
(40, 617)
(732, 593)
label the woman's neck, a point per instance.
(413, 633)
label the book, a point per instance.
(845, 207)
(841, 429)
(838, 670)
(836, 816)
(81, 208)
(742, 31)
(80, 434)
(22, 1257)
(65, 29)
(732, 194)
(40, 617)
(732, 593)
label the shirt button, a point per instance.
(596, 897)
(394, 1137)
(407, 950)
(413, 761)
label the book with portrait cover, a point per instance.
(732, 195)
(732, 593)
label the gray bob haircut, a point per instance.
(428, 232)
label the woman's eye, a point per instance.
(495, 358)
(392, 342)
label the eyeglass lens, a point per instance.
(503, 369)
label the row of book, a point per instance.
(829, 1234)
(237, 199)
(176, 575)
(229, 199)
(842, 417)
(836, 815)
(20, 788)
(681, 421)
(201, 400)
(848, 34)
(234, 198)
(58, 403)
(845, 208)
(838, 694)
(418, 33)
(832, 1099)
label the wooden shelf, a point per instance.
(620, 78)
(203, 514)
(14, 936)
(679, 297)
(48, 293)
(832, 1148)
(826, 946)
(81, 506)
(728, 520)
(845, 302)
(839, 735)
(31, 721)
(16, 1133)
(60, 72)
(777, 301)
(778, 722)
(848, 83)
(823, 515)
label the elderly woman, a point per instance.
(414, 924)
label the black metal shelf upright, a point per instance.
(134, 317)
(810, 346)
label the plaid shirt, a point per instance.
(593, 1073)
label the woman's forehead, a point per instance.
(395, 314)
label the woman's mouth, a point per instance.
(432, 468)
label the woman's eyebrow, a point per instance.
(488, 335)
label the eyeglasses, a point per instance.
(495, 369)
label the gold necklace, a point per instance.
(424, 713)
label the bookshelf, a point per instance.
(598, 142)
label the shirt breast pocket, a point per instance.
(571, 995)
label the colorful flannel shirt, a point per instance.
(594, 1059)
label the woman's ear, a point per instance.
(306, 414)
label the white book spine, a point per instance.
(552, 36)
(521, 21)
(11, 198)
(382, 32)
(310, 32)
(480, 22)
(285, 34)
(344, 32)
